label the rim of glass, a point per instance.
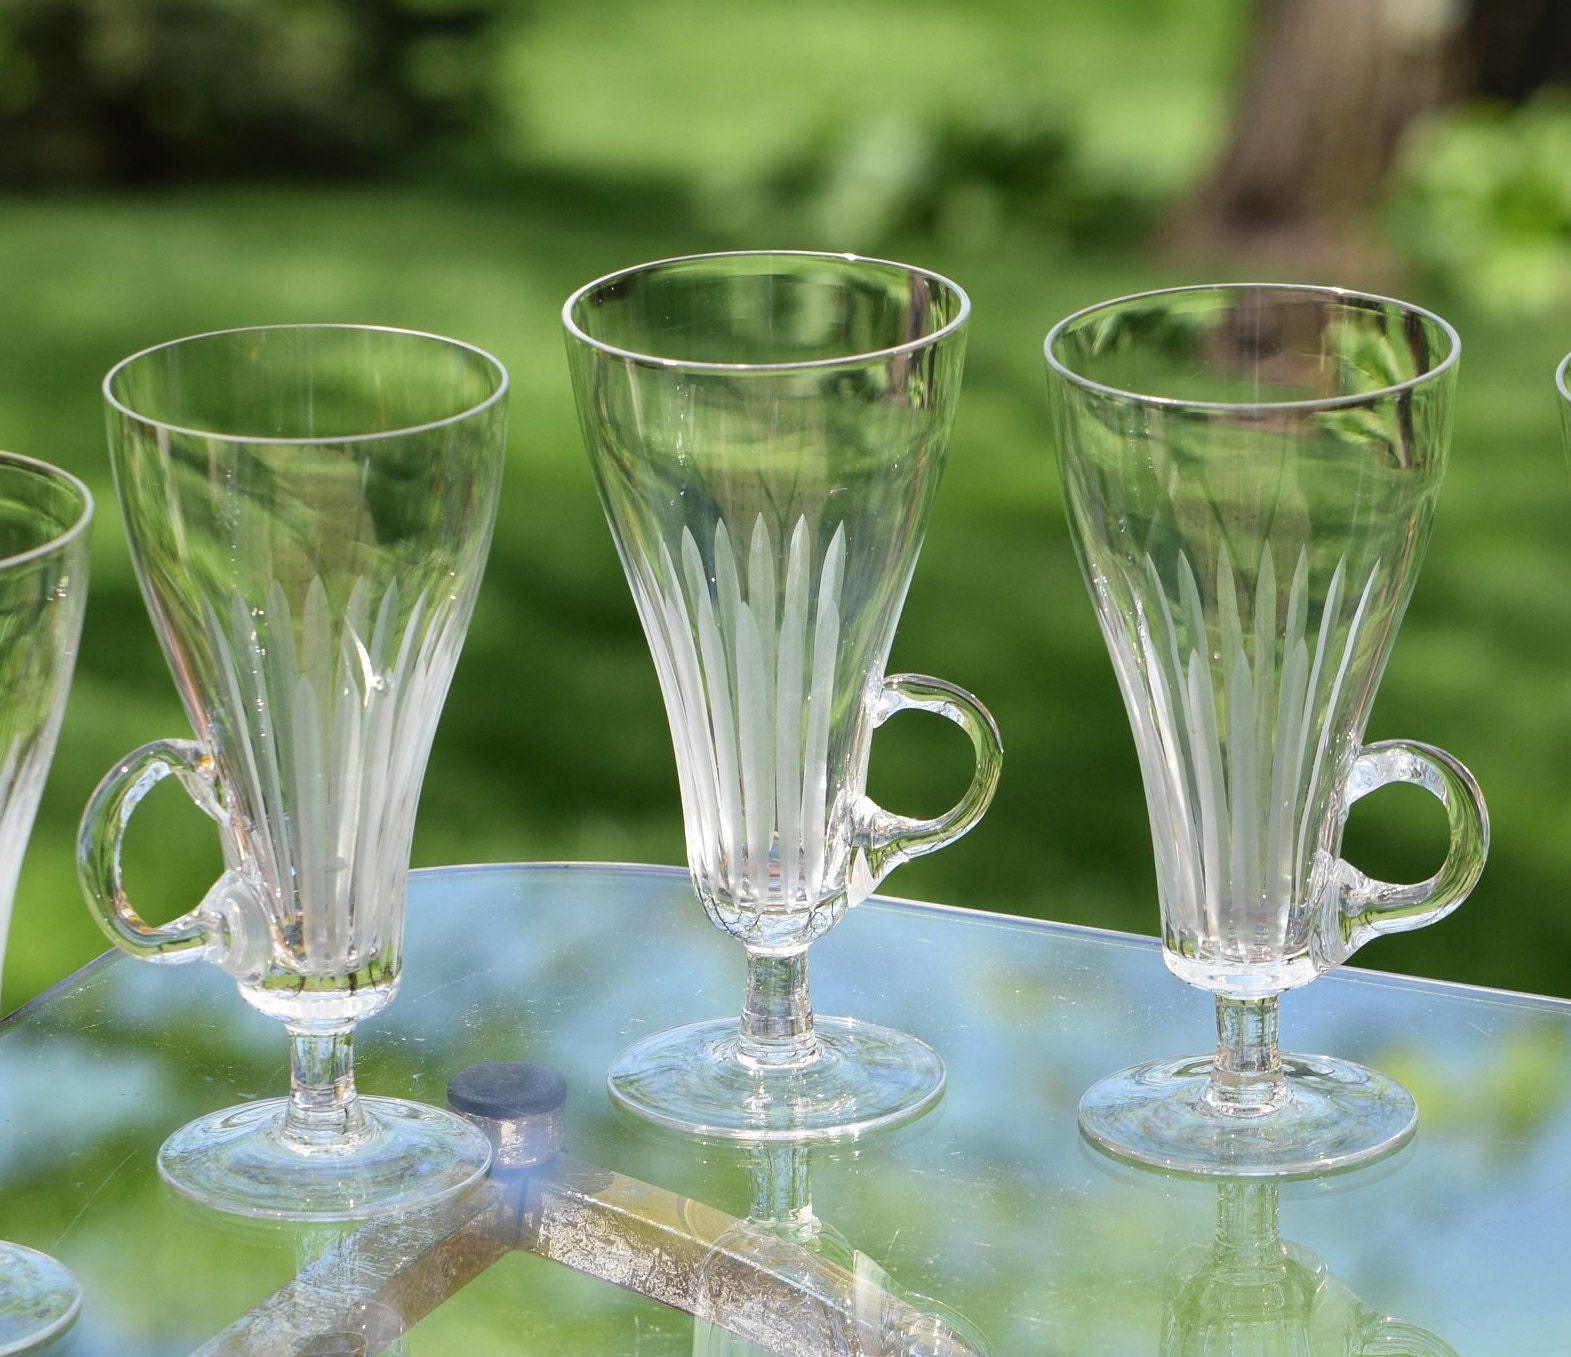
(1563, 377)
(313, 440)
(802, 365)
(1317, 403)
(48, 471)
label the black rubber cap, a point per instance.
(505, 1090)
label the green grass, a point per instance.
(553, 744)
(708, 92)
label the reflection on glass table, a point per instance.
(990, 1208)
(784, 1268)
(1250, 1291)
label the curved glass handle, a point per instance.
(1371, 907)
(229, 927)
(885, 839)
(1383, 1337)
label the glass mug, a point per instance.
(1250, 474)
(767, 432)
(45, 515)
(309, 510)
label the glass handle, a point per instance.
(229, 927)
(1380, 1336)
(885, 839)
(1371, 907)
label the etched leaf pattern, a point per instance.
(746, 653)
(341, 712)
(41, 606)
(1229, 709)
(23, 770)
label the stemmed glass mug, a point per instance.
(767, 431)
(1250, 474)
(308, 509)
(44, 518)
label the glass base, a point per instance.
(234, 1161)
(864, 1078)
(1336, 1114)
(39, 1299)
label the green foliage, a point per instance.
(553, 742)
(131, 91)
(634, 118)
(1483, 199)
(966, 174)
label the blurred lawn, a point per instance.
(635, 121)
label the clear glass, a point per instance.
(1250, 474)
(44, 518)
(1563, 386)
(768, 432)
(309, 510)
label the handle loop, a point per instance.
(1371, 907)
(885, 840)
(229, 927)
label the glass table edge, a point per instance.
(993, 918)
(30, 1007)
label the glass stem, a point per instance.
(777, 1015)
(324, 1110)
(1246, 1077)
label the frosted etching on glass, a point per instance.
(767, 850)
(1240, 765)
(339, 726)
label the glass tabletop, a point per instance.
(988, 1226)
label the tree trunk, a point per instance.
(1514, 47)
(1327, 91)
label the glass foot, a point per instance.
(234, 1161)
(690, 1079)
(1336, 1114)
(39, 1299)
